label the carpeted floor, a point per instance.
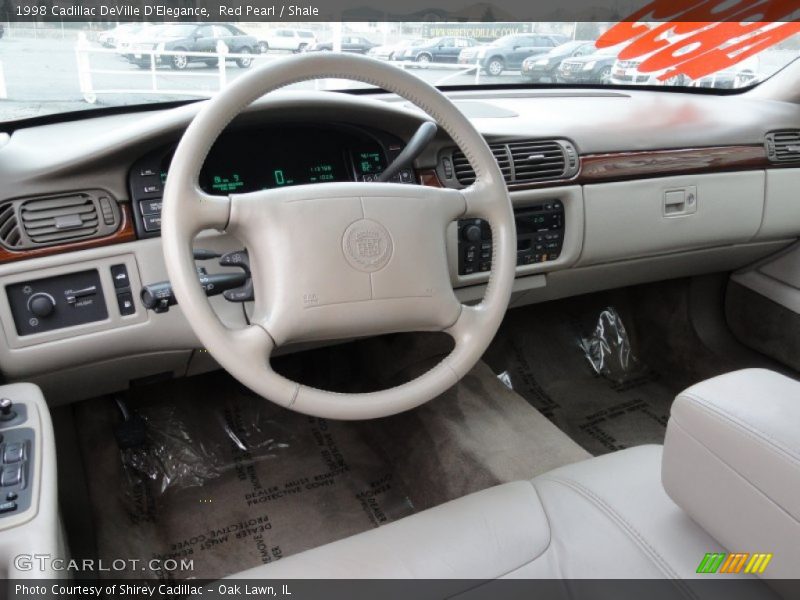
(231, 481)
(539, 349)
(228, 480)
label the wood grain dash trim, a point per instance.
(660, 163)
(125, 233)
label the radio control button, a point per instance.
(470, 253)
(472, 233)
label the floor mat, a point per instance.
(300, 482)
(229, 480)
(538, 347)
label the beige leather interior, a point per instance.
(731, 479)
(605, 517)
(728, 476)
(732, 462)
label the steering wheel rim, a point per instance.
(397, 240)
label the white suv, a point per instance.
(293, 40)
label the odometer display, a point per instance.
(249, 160)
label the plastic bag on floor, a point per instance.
(609, 350)
(180, 448)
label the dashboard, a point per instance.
(266, 157)
(663, 185)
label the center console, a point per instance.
(540, 237)
(29, 522)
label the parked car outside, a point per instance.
(110, 38)
(444, 49)
(761, 66)
(394, 51)
(508, 52)
(124, 39)
(591, 68)
(356, 44)
(192, 37)
(291, 40)
(543, 68)
(626, 72)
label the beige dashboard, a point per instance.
(668, 187)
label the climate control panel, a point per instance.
(540, 238)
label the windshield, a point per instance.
(175, 31)
(49, 67)
(508, 40)
(570, 46)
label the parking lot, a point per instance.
(41, 76)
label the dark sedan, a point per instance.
(437, 50)
(354, 44)
(189, 38)
(542, 68)
(509, 51)
(592, 68)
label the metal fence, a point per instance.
(146, 80)
(54, 31)
(149, 79)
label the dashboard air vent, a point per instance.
(521, 161)
(9, 227)
(59, 219)
(784, 146)
(466, 175)
(537, 161)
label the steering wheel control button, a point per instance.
(8, 507)
(367, 246)
(119, 273)
(12, 496)
(472, 233)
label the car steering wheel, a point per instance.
(339, 260)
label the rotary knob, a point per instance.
(41, 305)
(472, 233)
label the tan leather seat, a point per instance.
(610, 517)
